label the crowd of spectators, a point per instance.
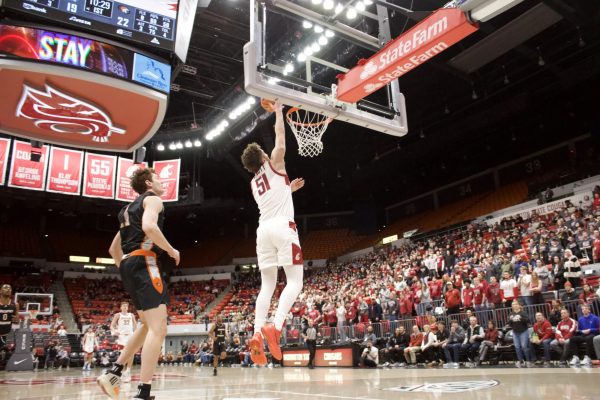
(475, 271)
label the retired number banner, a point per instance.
(25, 173)
(168, 173)
(125, 169)
(64, 172)
(4, 149)
(99, 176)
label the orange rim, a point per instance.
(297, 123)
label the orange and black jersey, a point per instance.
(7, 313)
(130, 222)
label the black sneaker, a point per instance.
(214, 372)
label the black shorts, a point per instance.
(218, 348)
(143, 280)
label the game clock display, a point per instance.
(151, 22)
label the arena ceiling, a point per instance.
(527, 79)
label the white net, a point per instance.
(308, 127)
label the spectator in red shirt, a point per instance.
(493, 295)
(587, 296)
(543, 330)
(565, 330)
(435, 289)
(468, 294)
(479, 291)
(414, 347)
(452, 299)
(489, 340)
(406, 304)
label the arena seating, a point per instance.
(95, 301)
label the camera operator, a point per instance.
(370, 355)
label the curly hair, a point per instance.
(252, 157)
(138, 179)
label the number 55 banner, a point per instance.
(64, 174)
(99, 177)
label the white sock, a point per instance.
(263, 301)
(294, 274)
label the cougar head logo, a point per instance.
(65, 114)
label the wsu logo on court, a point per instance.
(61, 113)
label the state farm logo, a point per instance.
(61, 113)
(372, 87)
(80, 21)
(369, 69)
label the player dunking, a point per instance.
(123, 326)
(277, 242)
(135, 250)
(89, 343)
(218, 332)
(8, 314)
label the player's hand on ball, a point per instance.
(296, 184)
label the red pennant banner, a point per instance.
(25, 173)
(125, 169)
(99, 176)
(168, 173)
(4, 149)
(64, 172)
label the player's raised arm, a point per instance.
(115, 250)
(152, 207)
(278, 153)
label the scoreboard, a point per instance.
(150, 22)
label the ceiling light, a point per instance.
(160, 147)
(307, 24)
(301, 57)
(197, 143)
(251, 100)
(339, 8)
(368, 2)
(289, 67)
(318, 29)
(322, 40)
(308, 50)
(329, 33)
(188, 143)
(179, 145)
(317, 1)
(315, 47)
(172, 146)
(273, 81)
(351, 13)
(360, 6)
(328, 4)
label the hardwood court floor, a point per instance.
(187, 383)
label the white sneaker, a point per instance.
(126, 376)
(587, 361)
(110, 384)
(574, 361)
(455, 365)
(518, 364)
(447, 365)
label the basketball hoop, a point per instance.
(308, 127)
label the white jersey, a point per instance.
(89, 342)
(273, 193)
(125, 324)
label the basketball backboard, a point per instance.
(299, 67)
(42, 302)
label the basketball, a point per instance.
(268, 105)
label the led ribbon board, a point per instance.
(150, 22)
(87, 54)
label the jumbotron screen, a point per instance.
(84, 53)
(151, 22)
